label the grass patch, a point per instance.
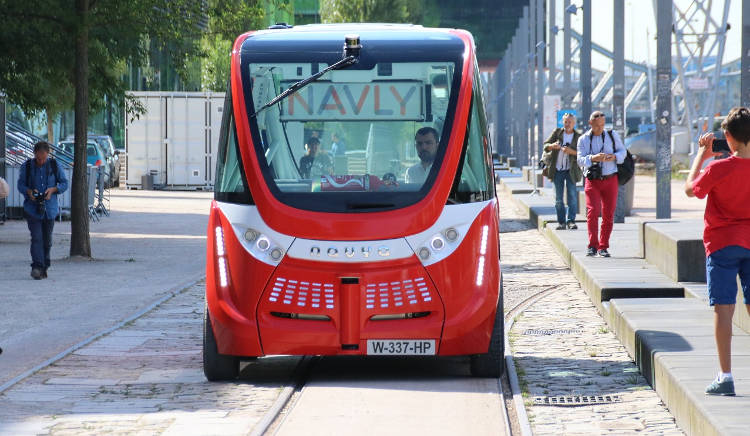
(605, 373)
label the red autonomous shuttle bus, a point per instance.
(355, 210)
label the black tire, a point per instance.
(216, 367)
(492, 363)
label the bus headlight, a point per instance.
(263, 243)
(251, 235)
(260, 245)
(451, 234)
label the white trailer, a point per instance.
(175, 140)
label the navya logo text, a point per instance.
(350, 251)
(353, 101)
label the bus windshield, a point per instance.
(365, 138)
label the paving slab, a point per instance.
(676, 248)
(515, 185)
(672, 342)
(151, 245)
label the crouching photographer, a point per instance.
(599, 152)
(41, 180)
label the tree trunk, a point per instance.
(50, 126)
(80, 244)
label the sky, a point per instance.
(640, 21)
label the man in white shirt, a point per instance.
(426, 142)
(597, 148)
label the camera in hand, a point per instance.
(720, 146)
(38, 198)
(594, 172)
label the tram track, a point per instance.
(274, 417)
(514, 407)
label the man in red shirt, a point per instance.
(726, 236)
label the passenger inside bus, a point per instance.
(315, 163)
(426, 142)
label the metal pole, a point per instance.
(531, 56)
(618, 78)
(501, 135)
(2, 151)
(566, 55)
(513, 66)
(539, 76)
(507, 78)
(523, 107)
(618, 92)
(586, 62)
(663, 108)
(745, 58)
(551, 39)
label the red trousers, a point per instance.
(601, 198)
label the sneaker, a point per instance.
(560, 227)
(717, 387)
(591, 252)
(44, 273)
(603, 253)
(36, 273)
(572, 225)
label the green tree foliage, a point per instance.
(371, 11)
(227, 20)
(83, 45)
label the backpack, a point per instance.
(626, 169)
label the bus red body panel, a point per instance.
(232, 307)
(472, 293)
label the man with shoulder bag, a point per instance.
(563, 169)
(41, 179)
(599, 152)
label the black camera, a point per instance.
(594, 172)
(720, 146)
(38, 198)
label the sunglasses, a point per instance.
(596, 116)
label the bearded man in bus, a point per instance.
(426, 142)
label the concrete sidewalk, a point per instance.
(670, 338)
(151, 245)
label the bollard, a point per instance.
(625, 195)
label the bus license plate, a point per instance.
(402, 347)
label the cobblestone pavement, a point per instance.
(145, 378)
(562, 346)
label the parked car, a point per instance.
(111, 154)
(94, 156)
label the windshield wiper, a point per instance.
(343, 63)
(352, 48)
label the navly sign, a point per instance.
(390, 100)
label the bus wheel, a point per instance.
(492, 363)
(216, 367)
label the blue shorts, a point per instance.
(722, 267)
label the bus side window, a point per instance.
(474, 181)
(231, 184)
